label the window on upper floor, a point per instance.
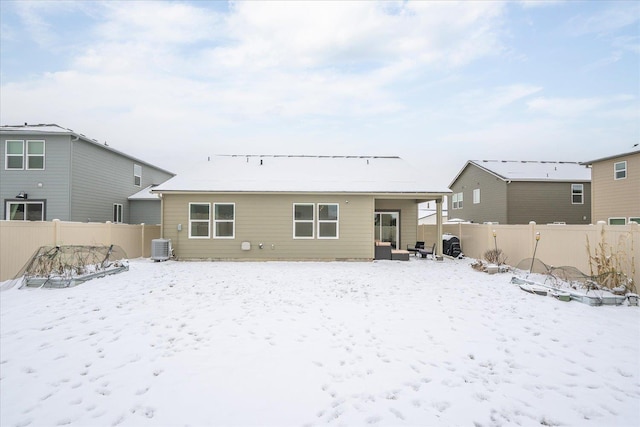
(35, 155)
(456, 201)
(476, 196)
(17, 159)
(620, 170)
(577, 194)
(25, 211)
(137, 175)
(224, 220)
(617, 221)
(327, 220)
(199, 220)
(117, 213)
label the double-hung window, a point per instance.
(476, 196)
(14, 155)
(620, 170)
(577, 194)
(137, 175)
(303, 219)
(35, 154)
(25, 211)
(17, 158)
(199, 220)
(457, 201)
(327, 220)
(224, 220)
(117, 213)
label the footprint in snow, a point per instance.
(397, 413)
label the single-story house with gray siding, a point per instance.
(279, 207)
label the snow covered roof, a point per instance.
(524, 170)
(616, 156)
(145, 194)
(42, 128)
(317, 174)
(49, 129)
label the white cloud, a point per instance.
(160, 23)
(289, 58)
(577, 107)
(618, 16)
(480, 104)
(294, 77)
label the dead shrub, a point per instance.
(612, 268)
(495, 256)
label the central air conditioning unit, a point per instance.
(160, 249)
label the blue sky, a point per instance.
(437, 83)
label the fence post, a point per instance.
(532, 235)
(56, 232)
(142, 240)
(107, 232)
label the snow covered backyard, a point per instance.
(419, 343)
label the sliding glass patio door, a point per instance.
(387, 227)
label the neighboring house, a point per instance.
(145, 207)
(517, 192)
(293, 207)
(49, 172)
(615, 188)
(428, 213)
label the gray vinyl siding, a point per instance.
(493, 197)
(547, 202)
(518, 202)
(144, 211)
(268, 219)
(54, 178)
(81, 180)
(616, 198)
(102, 178)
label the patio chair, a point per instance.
(419, 245)
(425, 253)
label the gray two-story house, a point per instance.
(517, 192)
(50, 172)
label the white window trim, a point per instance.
(581, 202)
(634, 219)
(312, 221)
(615, 171)
(215, 221)
(614, 218)
(208, 221)
(476, 196)
(7, 155)
(327, 221)
(26, 202)
(135, 175)
(119, 213)
(27, 155)
(457, 201)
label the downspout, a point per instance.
(438, 254)
(69, 205)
